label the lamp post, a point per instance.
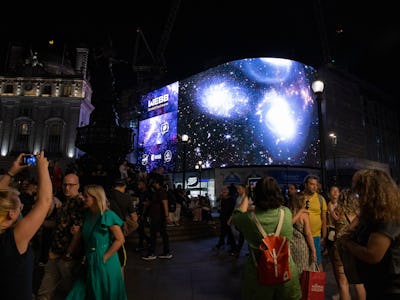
(199, 166)
(318, 87)
(185, 140)
(333, 138)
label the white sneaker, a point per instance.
(149, 257)
(166, 256)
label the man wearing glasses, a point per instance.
(64, 255)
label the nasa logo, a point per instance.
(168, 156)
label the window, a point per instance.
(54, 138)
(22, 138)
(47, 90)
(25, 111)
(9, 89)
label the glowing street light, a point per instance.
(185, 140)
(318, 88)
(333, 138)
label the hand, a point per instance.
(17, 165)
(57, 202)
(41, 160)
(314, 257)
(75, 229)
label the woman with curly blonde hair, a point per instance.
(346, 211)
(375, 242)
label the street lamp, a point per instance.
(199, 166)
(333, 138)
(185, 140)
(318, 87)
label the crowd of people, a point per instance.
(76, 232)
(357, 227)
(73, 231)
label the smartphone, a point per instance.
(29, 160)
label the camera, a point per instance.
(29, 160)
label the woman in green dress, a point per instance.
(102, 237)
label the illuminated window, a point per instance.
(22, 138)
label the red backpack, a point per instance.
(273, 261)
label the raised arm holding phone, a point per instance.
(16, 255)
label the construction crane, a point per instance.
(155, 69)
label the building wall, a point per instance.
(366, 123)
(46, 111)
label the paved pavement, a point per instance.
(196, 272)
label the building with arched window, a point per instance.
(42, 105)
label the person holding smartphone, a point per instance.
(16, 255)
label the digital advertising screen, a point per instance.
(158, 129)
(256, 111)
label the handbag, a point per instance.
(313, 285)
(129, 226)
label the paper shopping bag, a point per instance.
(313, 285)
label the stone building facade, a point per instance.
(41, 109)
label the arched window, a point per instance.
(54, 144)
(22, 137)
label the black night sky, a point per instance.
(359, 37)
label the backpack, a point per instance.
(273, 262)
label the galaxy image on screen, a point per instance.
(258, 111)
(255, 111)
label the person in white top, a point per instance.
(123, 169)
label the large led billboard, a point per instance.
(158, 129)
(256, 111)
